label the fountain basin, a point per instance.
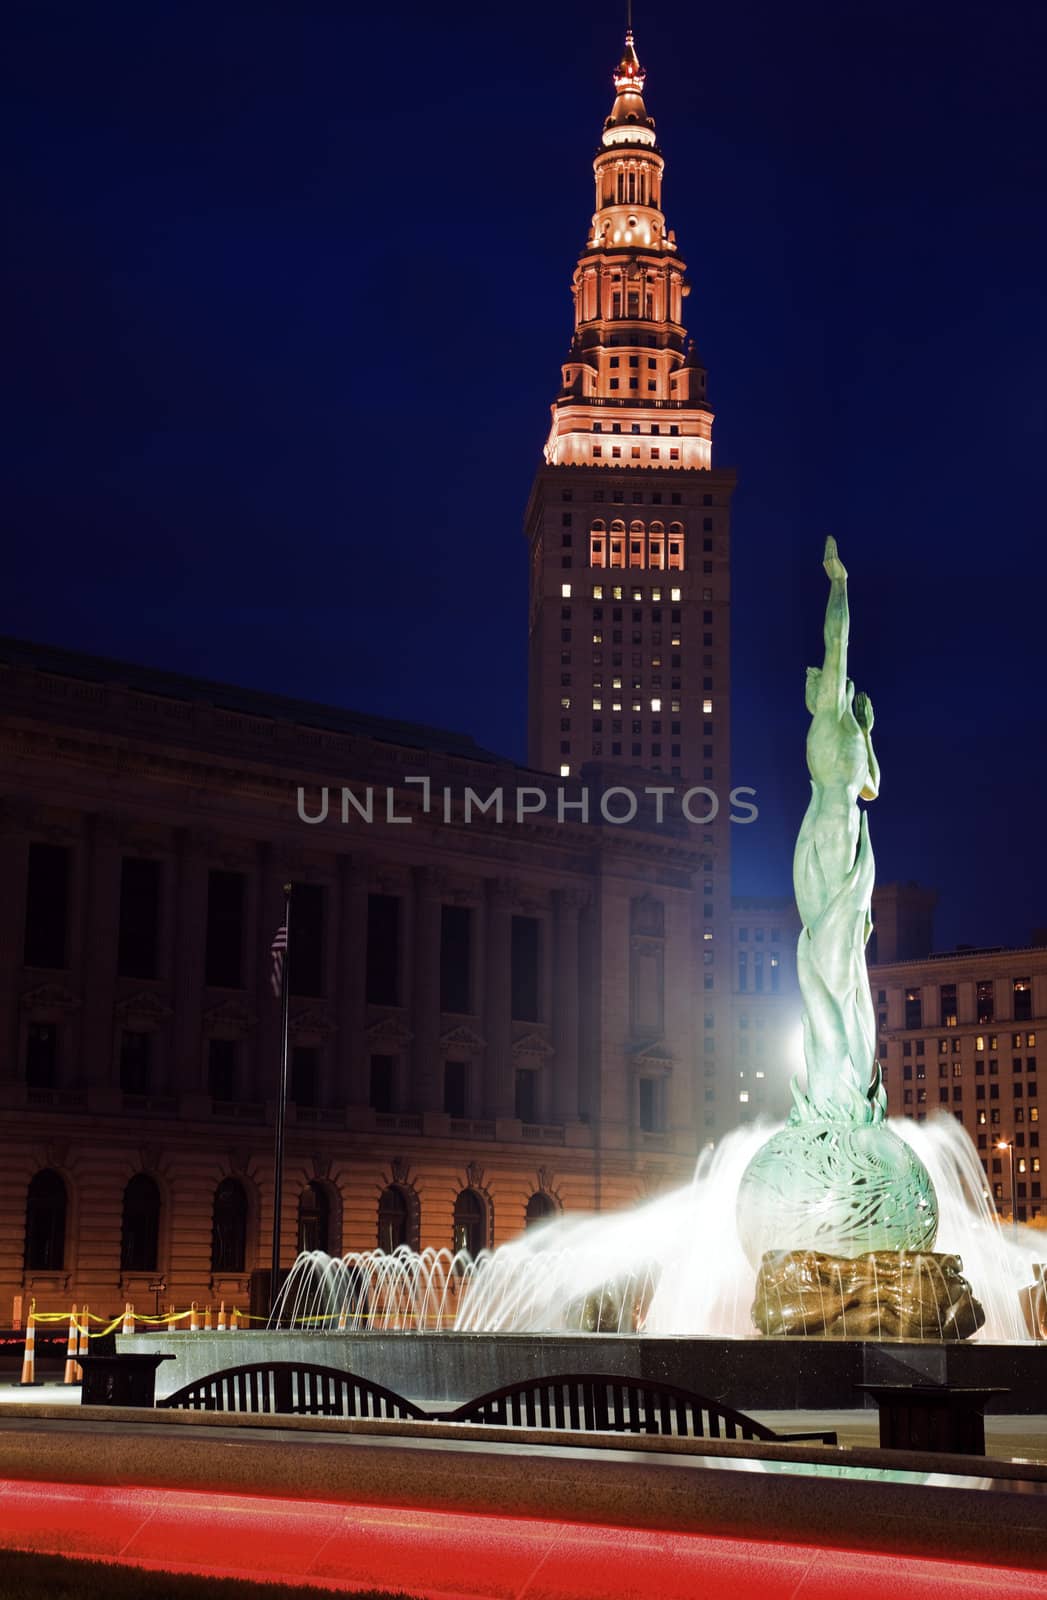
(758, 1373)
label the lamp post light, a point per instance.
(1008, 1145)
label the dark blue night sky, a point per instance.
(287, 293)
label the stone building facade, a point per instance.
(490, 1020)
(492, 1017)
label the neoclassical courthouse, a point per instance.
(514, 991)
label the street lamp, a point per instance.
(1008, 1145)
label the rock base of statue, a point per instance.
(886, 1294)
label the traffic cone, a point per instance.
(207, 1319)
(234, 1321)
(221, 1317)
(73, 1373)
(129, 1318)
(84, 1336)
(29, 1358)
(194, 1319)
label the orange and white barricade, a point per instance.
(73, 1370)
(29, 1358)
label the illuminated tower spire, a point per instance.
(629, 287)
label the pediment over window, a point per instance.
(312, 1021)
(49, 997)
(229, 1014)
(389, 1031)
(462, 1038)
(532, 1044)
(653, 1057)
(144, 1008)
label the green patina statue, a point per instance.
(836, 1178)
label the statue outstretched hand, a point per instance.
(863, 712)
(831, 561)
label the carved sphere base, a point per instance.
(887, 1294)
(844, 1188)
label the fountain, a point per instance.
(836, 1213)
(855, 1234)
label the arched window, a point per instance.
(45, 1211)
(656, 546)
(636, 544)
(617, 544)
(676, 545)
(540, 1206)
(470, 1223)
(140, 1230)
(229, 1227)
(394, 1219)
(314, 1218)
(597, 544)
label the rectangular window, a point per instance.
(649, 1119)
(134, 1062)
(383, 949)
(985, 1001)
(47, 906)
(382, 1080)
(949, 1011)
(41, 1055)
(1022, 988)
(223, 948)
(526, 1094)
(306, 939)
(455, 958)
(913, 1009)
(305, 1075)
(525, 971)
(139, 918)
(221, 1069)
(455, 1088)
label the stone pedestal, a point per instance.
(886, 1294)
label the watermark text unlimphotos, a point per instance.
(617, 805)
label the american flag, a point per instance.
(279, 947)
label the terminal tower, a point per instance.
(628, 521)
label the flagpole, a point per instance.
(281, 1102)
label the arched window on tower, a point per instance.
(620, 186)
(394, 1219)
(470, 1223)
(632, 185)
(656, 546)
(598, 545)
(140, 1229)
(229, 1227)
(540, 1207)
(676, 546)
(46, 1204)
(314, 1218)
(636, 544)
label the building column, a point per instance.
(188, 977)
(14, 871)
(101, 918)
(499, 1086)
(569, 903)
(427, 1085)
(351, 1084)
